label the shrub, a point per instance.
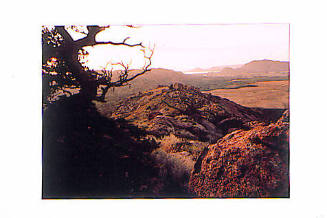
(170, 143)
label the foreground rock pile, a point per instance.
(245, 163)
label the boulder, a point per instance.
(251, 163)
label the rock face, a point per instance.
(185, 112)
(245, 163)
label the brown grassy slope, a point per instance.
(270, 94)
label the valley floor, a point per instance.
(269, 94)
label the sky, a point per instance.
(184, 47)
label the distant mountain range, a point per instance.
(217, 68)
(264, 66)
(256, 66)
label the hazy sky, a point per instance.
(183, 47)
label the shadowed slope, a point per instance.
(86, 155)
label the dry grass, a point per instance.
(174, 168)
(270, 94)
(168, 143)
(174, 144)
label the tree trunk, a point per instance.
(87, 83)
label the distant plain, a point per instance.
(268, 94)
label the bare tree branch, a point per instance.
(123, 77)
(89, 40)
(119, 43)
(145, 69)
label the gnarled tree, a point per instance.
(63, 70)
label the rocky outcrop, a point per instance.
(186, 112)
(245, 163)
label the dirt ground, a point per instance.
(270, 94)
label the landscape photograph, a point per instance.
(165, 111)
